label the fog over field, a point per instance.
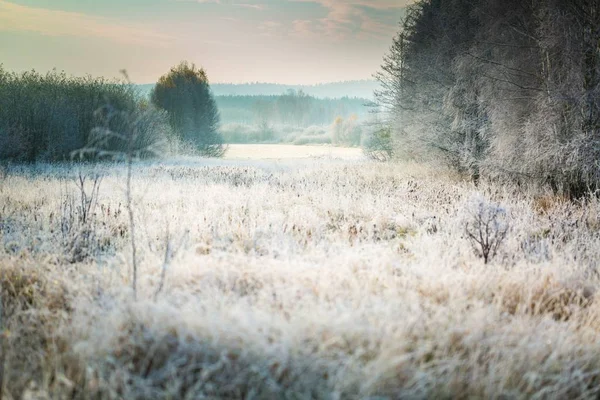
(299, 199)
(358, 89)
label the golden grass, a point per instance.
(334, 281)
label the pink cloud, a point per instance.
(344, 16)
(270, 28)
(18, 18)
(252, 6)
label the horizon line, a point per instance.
(279, 84)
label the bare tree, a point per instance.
(486, 228)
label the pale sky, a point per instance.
(281, 41)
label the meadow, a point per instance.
(325, 278)
(290, 152)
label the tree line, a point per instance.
(52, 116)
(505, 89)
(294, 108)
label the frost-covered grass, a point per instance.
(324, 280)
(287, 152)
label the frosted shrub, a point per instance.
(346, 132)
(486, 227)
(378, 145)
(78, 217)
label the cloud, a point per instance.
(376, 4)
(350, 18)
(270, 28)
(259, 7)
(305, 28)
(18, 18)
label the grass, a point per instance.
(281, 151)
(323, 280)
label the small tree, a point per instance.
(378, 145)
(486, 228)
(185, 94)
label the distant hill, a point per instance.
(359, 89)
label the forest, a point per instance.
(509, 90)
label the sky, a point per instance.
(279, 41)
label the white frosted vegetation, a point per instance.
(333, 281)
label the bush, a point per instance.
(185, 94)
(312, 139)
(378, 145)
(47, 117)
(239, 133)
(486, 228)
(142, 132)
(265, 133)
(14, 143)
(346, 132)
(311, 135)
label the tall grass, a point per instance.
(45, 117)
(325, 281)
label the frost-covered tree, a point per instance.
(417, 77)
(508, 89)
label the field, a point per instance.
(286, 152)
(320, 278)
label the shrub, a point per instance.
(312, 139)
(486, 228)
(346, 132)
(378, 145)
(142, 132)
(14, 143)
(78, 218)
(47, 117)
(239, 133)
(311, 135)
(185, 94)
(266, 132)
